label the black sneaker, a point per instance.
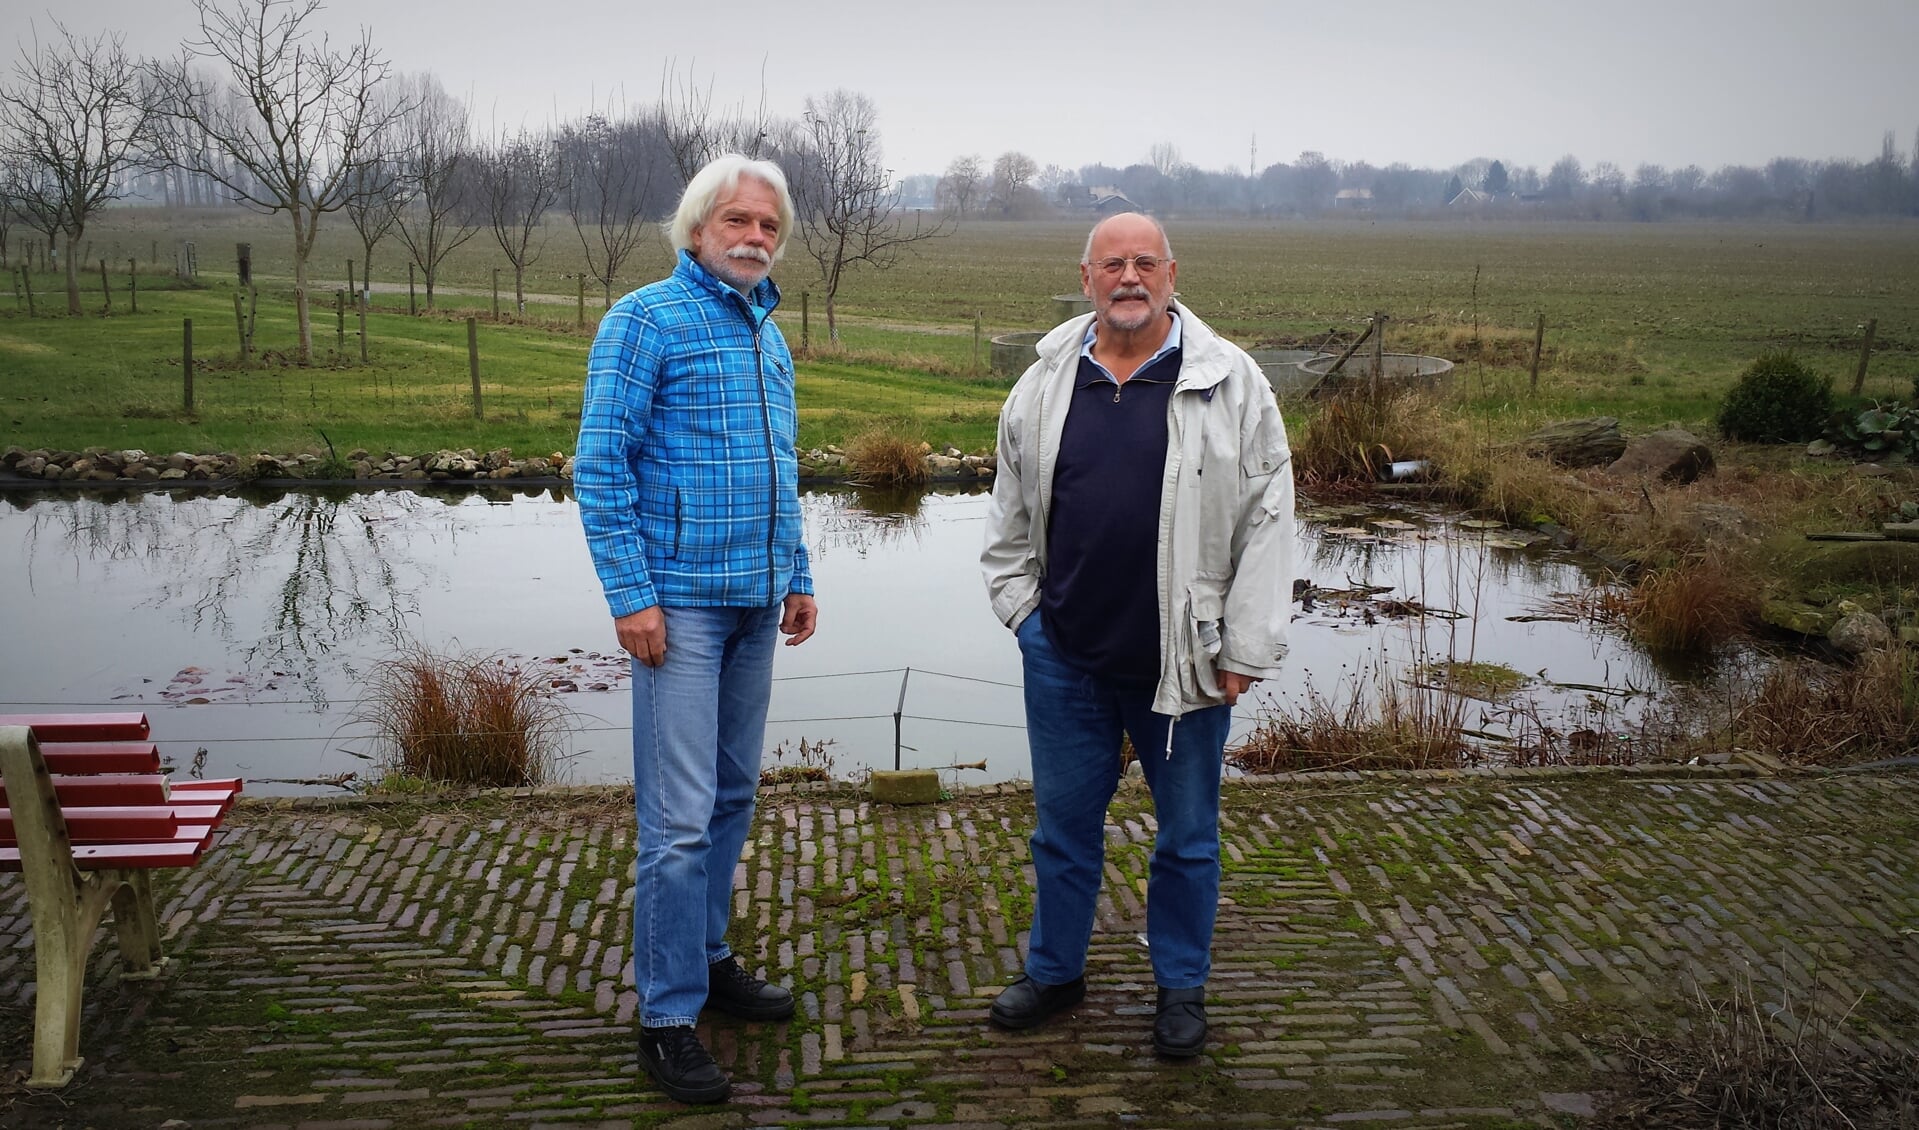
(736, 992)
(677, 1061)
(1026, 1002)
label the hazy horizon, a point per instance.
(1229, 83)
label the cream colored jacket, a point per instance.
(1225, 510)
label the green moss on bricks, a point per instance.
(904, 786)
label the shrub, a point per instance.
(464, 719)
(1689, 607)
(1776, 400)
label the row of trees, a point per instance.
(262, 109)
(1016, 187)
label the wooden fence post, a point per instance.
(412, 305)
(473, 362)
(26, 276)
(806, 327)
(1539, 342)
(240, 328)
(1865, 355)
(133, 285)
(579, 317)
(186, 359)
(339, 325)
(361, 305)
(496, 294)
(106, 289)
(977, 315)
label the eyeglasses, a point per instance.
(1116, 264)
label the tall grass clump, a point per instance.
(1365, 426)
(1808, 713)
(464, 719)
(886, 456)
(1391, 727)
(1688, 607)
(1746, 1062)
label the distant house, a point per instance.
(1357, 199)
(1107, 200)
(1470, 198)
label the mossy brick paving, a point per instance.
(1427, 950)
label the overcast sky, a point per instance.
(1427, 82)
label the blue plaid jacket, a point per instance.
(685, 470)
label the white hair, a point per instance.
(721, 177)
(1086, 256)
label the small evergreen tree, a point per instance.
(1776, 400)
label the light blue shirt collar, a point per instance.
(1092, 334)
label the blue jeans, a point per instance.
(699, 721)
(1073, 722)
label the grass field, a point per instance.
(1646, 322)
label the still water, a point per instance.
(245, 627)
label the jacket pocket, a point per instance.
(1205, 611)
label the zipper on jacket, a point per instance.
(772, 461)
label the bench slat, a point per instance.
(100, 757)
(96, 857)
(124, 726)
(105, 790)
(107, 825)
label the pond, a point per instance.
(245, 626)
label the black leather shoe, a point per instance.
(736, 992)
(1180, 1028)
(677, 1061)
(1026, 1002)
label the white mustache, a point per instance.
(1120, 292)
(757, 254)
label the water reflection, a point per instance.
(244, 624)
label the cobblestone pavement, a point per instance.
(1410, 950)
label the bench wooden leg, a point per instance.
(62, 938)
(138, 926)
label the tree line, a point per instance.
(262, 109)
(1015, 186)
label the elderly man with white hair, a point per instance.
(688, 488)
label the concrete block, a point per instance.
(904, 786)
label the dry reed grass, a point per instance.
(1351, 436)
(1689, 607)
(1392, 726)
(886, 456)
(1807, 713)
(464, 719)
(1747, 1062)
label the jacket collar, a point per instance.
(766, 295)
(1202, 362)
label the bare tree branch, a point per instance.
(295, 120)
(844, 199)
(436, 178)
(519, 180)
(72, 123)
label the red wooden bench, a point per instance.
(86, 814)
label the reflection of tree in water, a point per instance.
(330, 558)
(863, 519)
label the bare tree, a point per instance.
(959, 188)
(694, 132)
(844, 200)
(1012, 190)
(436, 177)
(519, 180)
(372, 206)
(616, 174)
(73, 123)
(288, 133)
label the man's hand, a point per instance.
(643, 635)
(799, 618)
(1232, 684)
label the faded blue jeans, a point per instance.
(699, 721)
(1073, 723)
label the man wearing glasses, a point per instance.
(1139, 544)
